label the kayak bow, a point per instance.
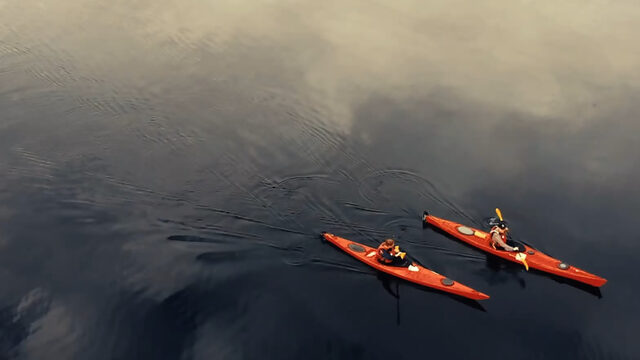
(535, 259)
(422, 276)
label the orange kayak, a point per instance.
(422, 276)
(533, 258)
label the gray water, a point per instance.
(167, 167)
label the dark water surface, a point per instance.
(166, 168)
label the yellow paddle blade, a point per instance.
(499, 213)
(522, 257)
(402, 255)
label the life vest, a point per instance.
(503, 234)
(383, 250)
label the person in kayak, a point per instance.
(388, 253)
(499, 236)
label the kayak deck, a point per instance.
(423, 276)
(535, 258)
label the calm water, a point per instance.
(168, 165)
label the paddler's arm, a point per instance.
(496, 237)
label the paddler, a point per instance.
(499, 236)
(388, 253)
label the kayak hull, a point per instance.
(534, 258)
(423, 276)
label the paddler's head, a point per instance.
(503, 226)
(389, 242)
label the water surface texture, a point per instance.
(166, 167)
